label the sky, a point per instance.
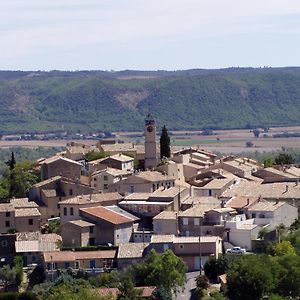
(148, 34)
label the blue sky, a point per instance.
(148, 34)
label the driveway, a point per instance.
(190, 284)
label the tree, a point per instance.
(215, 267)
(256, 133)
(283, 248)
(268, 162)
(106, 280)
(284, 159)
(93, 155)
(17, 181)
(263, 232)
(7, 275)
(127, 288)
(162, 294)
(18, 267)
(295, 225)
(166, 270)
(11, 163)
(165, 143)
(251, 277)
(289, 277)
(281, 229)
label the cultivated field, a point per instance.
(47, 144)
(224, 141)
(232, 141)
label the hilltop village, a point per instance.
(111, 211)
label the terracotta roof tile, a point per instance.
(23, 203)
(93, 198)
(27, 212)
(62, 256)
(107, 215)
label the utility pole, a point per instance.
(200, 250)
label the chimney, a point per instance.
(90, 196)
(248, 201)
(259, 198)
(222, 203)
(286, 188)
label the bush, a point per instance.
(18, 266)
(215, 267)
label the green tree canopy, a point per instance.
(165, 150)
(166, 270)
(251, 277)
(215, 267)
(283, 248)
(18, 181)
(284, 159)
(93, 155)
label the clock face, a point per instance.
(149, 128)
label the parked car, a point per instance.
(236, 250)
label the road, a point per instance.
(190, 284)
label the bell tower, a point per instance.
(150, 143)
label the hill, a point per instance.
(110, 101)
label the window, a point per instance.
(95, 178)
(4, 243)
(67, 265)
(165, 247)
(30, 221)
(70, 192)
(105, 186)
(33, 258)
(71, 211)
(105, 177)
(65, 211)
(209, 192)
(185, 221)
(131, 189)
(7, 224)
(76, 264)
(7, 214)
(181, 246)
(91, 229)
(253, 215)
(196, 222)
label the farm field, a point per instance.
(224, 141)
(231, 141)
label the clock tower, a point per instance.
(150, 143)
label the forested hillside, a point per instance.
(109, 101)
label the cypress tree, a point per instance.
(165, 143)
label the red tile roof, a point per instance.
(107, 215)
(65, 256)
